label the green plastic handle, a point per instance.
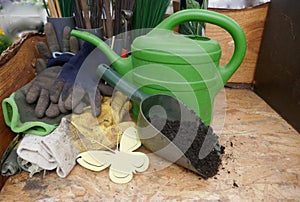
(121, 65)
(96, 41)
(220, 20)
(116, 80)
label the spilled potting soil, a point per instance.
(192, 135)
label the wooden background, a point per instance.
(252, 21)
(14, 74)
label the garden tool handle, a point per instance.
(218, 19)
(115, 80)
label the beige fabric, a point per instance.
(76, 133)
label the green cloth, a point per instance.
(20, 117)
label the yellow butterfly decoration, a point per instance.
(123, 161)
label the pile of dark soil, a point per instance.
(192, 135)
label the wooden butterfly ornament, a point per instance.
(123, 162)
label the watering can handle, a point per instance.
(220, 20)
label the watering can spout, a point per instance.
(121, 65)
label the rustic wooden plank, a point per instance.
(14, 73)
(261, 162)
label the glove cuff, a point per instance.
(13, 120)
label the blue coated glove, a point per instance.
(78, 85)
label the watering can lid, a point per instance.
(176, 49)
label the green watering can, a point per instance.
(183, 66)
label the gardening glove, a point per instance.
(100, 132)
(65, 83)
(110, 132)
(12, 164)
(75, 133)
(28, 166)
(50, 152)
(120, 107)
(38, 92)
(20, 116)
(53, 54)
(78, 85)
(9, 165)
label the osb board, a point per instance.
(252, 21)
(16, 71)
(261, 162)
